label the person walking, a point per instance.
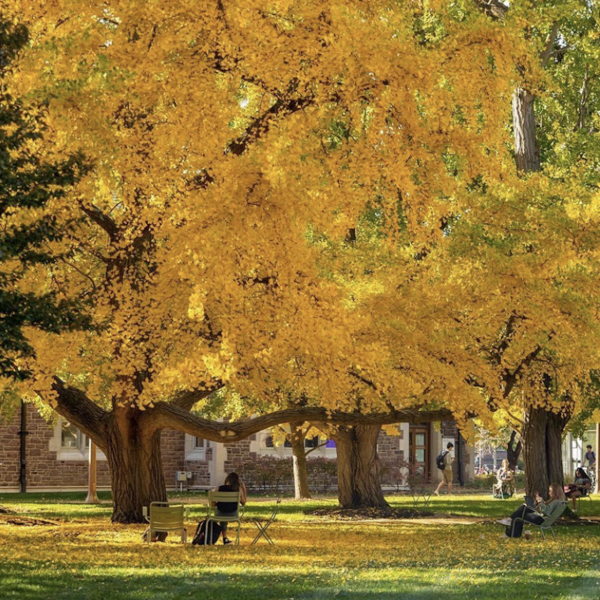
(589, 457)
(447, 459)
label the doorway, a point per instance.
(418, 450)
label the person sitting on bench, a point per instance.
(556, 495)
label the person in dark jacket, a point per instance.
(233, 483)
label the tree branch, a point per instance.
(550, 41)
(77, 408)
(186, 400)
(167, 416)
(492, 8)
(260, 126)
(101, 219)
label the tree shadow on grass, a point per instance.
(35, 581)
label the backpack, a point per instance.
(214, 531)
(439, 461)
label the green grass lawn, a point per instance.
(84, 556)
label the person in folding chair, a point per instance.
(556, 496)
(233, 483)
(580, 487)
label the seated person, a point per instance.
(505, 486)
(556, 495)
(233, 483)
(580, 487)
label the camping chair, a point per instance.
(264, 524)
(548, 522)
(164, 518)
(212, 516)
(585, 494)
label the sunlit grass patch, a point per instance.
(84, 555)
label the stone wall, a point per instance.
(242, 459)
(200, 469)
(45, 470)
(239, 454)
(9, 452)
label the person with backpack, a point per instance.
(233, 483)
(589, 457)
(444, 463)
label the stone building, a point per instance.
(55, 457)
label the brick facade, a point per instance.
(46, 471)
(207, 465)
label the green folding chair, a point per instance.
(548, 522)
(213, 516)
(164, 517)
(264, 524)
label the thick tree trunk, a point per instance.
(542, 449)
(301, 489)
(135, 463)
(358, 467)
(527, 153)
(542, 434)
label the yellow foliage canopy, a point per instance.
(228, 138)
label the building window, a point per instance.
(195, 448)
(69, 436)
(269, 443)
(70, 443)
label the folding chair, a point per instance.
(548, 522)
(587, 495)
(229, 497)
(164, 518)
(264, 524)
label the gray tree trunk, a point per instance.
(301, 489)
(527, 153)
(542, 434)
(359, 485)
(542, 450)
(135, 463)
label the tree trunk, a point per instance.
(358, 467)
(301, 489)
(513, 451)
(527, 153)
(542, 441)
(135, 465)
(542, 434)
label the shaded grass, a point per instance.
(88, 557)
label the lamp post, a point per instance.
(23, 433)
(92, 497)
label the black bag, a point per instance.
(439, 461)
(214, 533)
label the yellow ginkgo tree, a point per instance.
(227, 139)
